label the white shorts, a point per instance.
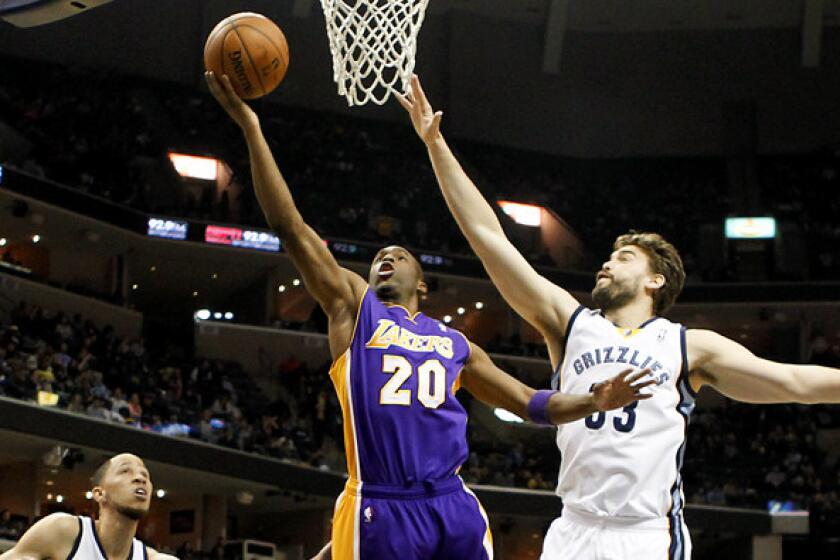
(583, 537)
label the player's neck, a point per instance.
(411, 304)
(631, 315)
(116, 533)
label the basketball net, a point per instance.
(373, 45)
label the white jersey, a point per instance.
(88, 547)
(625, 463)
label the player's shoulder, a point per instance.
(155, 555)
(60, 524)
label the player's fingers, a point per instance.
(643, 385)
(406, 104)
(619, 377)
(643, 396)
(228, 87)
(638, 375)
(421, 95)
(436, 120)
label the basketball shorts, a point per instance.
(576, 536)
(440, 520)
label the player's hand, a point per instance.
(426, 122)
(622, 390)
(238, 110)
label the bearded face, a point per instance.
(612, 293)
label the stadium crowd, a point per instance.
(737, 455)
(109, 135)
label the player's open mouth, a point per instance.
(601, 275)
(386, 270)
(140, 492)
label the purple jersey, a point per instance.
(396, 384)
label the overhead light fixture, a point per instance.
(195, 167)
(36, 238)
(447, 319)
(202, 314)
(214, 276)
(88, 495)
(281, 288)
(479, 305)
(296, 282)
(160, 493)
(229, 316)
(195, 294)
(59, 498)
(134, 286)
(461, 311)
(217, 315)
(523, 214)
(3, 241)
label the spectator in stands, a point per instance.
(9, 529)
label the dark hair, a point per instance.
(99, 474)
(664, 259)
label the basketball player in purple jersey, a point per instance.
(396, 372)
(620, 472)
(122, 489)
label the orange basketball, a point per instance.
(251, 50)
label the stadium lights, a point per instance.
(3, 241)
(217, 315)
(296, 282)
(36, 238)
(479, 305)
(281, 288)
(461, 311)
(134, 286)
(507, 416)
(523, 214)
(195, 167)
(447, 319)
(88, 495)
(229, 316)
(161, 493)
(59, 498)
(202, 314)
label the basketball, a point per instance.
(251, 50)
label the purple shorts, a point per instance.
(437, 520)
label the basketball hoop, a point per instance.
(373, 45)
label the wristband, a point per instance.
(538, 407)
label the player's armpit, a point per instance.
(739, 374)
(51, 537)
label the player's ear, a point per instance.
(98, 494)
(655, 282)
(422, 289)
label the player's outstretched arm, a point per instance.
(337, 289)
(540, 302)
(494, 387)
(51, 537)
(739, 374)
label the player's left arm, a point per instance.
(494, 387)
(741, 375)
(155, 555)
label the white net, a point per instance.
(373, 45)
